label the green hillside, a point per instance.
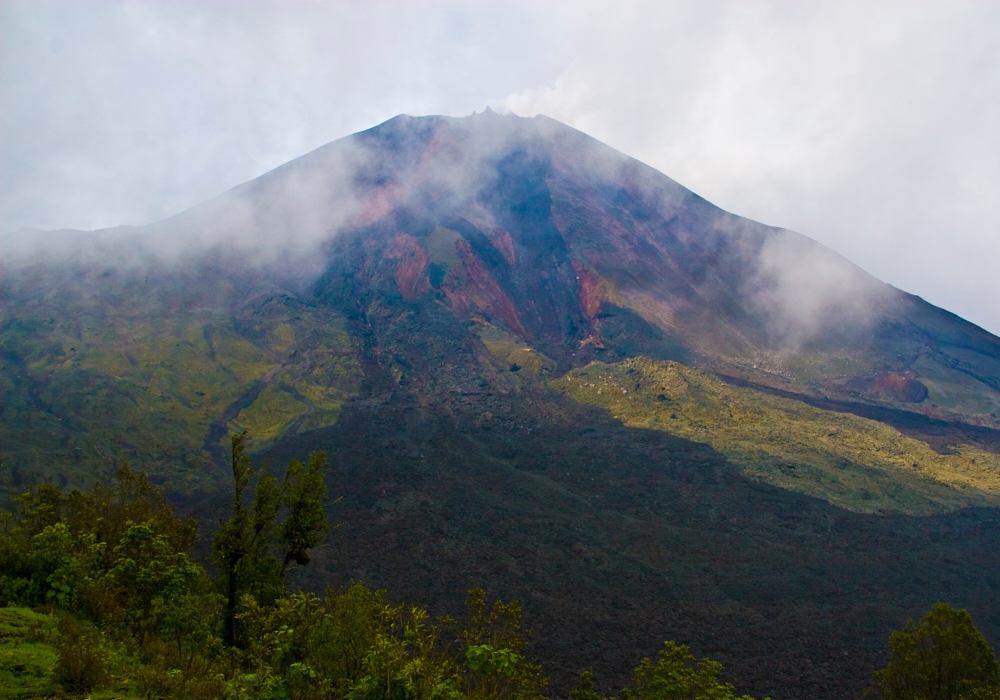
(852, 462)
(92, 380)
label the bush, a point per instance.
(676, 675)
(159, 676)
(83, 661)
(943, 658)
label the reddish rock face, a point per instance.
(411, 268)
(485, 295)
(578, 250)
(502, 241)
(583, 252)
(593, 291)
(893, 386)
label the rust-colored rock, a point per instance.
(893, 386)
(593, 291)
(484, 294)
(502, 241)
(411, 266)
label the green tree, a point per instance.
(585, 688)
(943, 658)
(407, 661)
(676, 675)
(351, 645)
(60, 548)
(255, 546)
(116, 563)
(151, 578)
(346, 634)
(495, 664)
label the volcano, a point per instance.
(544, 368)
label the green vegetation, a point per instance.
(107, 375)
(28, 655)
(270, 415)
(156, 394)
(103, 599)
(512, 352)
(113, 568)
(440, 246)
(316, 369)
(852, 462)
(253, 548)
(943, 658)
(676, 675)
(130, 612)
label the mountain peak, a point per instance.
(546, 233)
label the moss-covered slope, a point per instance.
(109, 370)
(852, 462)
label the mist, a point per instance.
(868, 128)
(284, 221)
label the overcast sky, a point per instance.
(873, 127)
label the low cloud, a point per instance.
(806, 290)
(284, 220)
(867, 127)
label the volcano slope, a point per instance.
(546, 369)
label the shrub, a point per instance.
(676, 675)
(943, 658)
(83, 660)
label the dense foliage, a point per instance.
(137, 615)
(100, 596)
(253, 548)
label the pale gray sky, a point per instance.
(873, 127)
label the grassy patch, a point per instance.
(268, 417)
(440, 246)
(319, 369)
(512, 352)
(119, 389)
(27, 654)
(852, 462)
